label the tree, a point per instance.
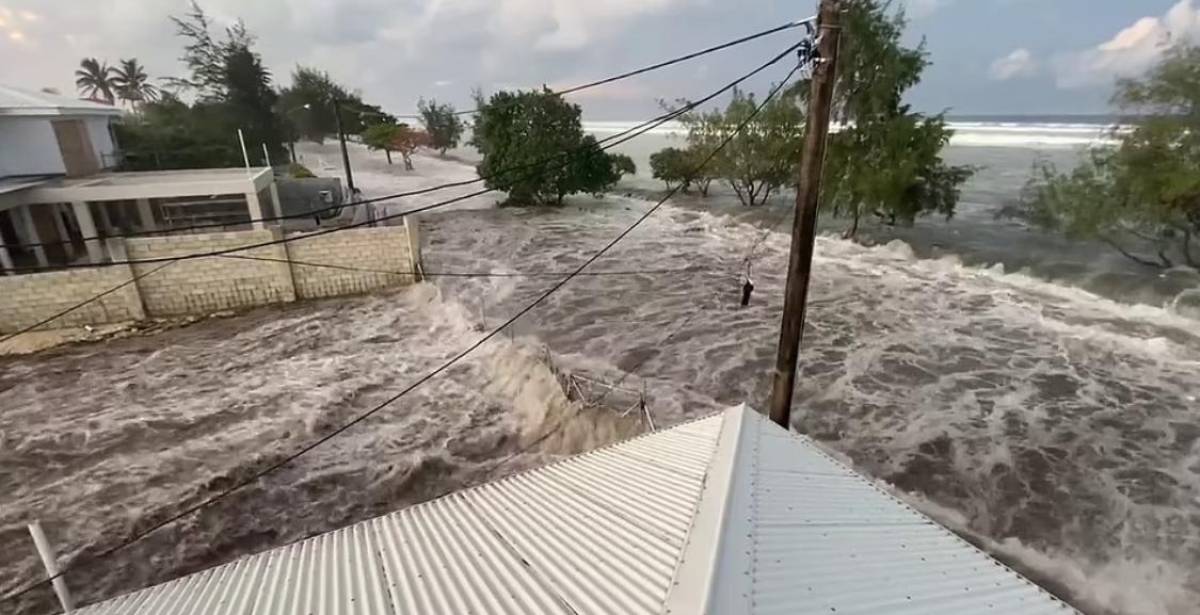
(381, 137)
(672, 165)
(250, 99)
(534, 148)
(441, 124)
(95, 80)
(406, 140)
(307, 106)
(758, 160)
(886, 160)
(1141, 196)
(234, 91)
(132, 83)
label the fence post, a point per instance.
(136, 306)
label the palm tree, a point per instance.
(132, 83)
(95, 80)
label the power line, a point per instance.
(633, 73)
(625, 137)
(445, 366)
(317, 212)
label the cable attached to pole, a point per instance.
(429, 376)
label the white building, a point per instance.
(59, 196)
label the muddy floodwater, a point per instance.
(1055, 426)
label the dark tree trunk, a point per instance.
(852, 232)
(389, 155)
(1129, 255)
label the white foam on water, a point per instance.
(1036, 412)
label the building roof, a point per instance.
(728, 514)
(19, 102)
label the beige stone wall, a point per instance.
(211, 284)
(28, 299)
(204, 285)
(380, 250)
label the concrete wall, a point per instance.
(210, 284)
(386, 249)
(29, 299)
(28, 147)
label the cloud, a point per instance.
(1018, 64)
(1131, 51)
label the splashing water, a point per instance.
(1053, 426)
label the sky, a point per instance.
(989, 56)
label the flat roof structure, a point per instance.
(152, 184)
(19, 102)
(727, 514)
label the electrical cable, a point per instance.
(420, 381)
(646, 127)
(316, 212)
(643, 129)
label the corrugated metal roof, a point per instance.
(16, 101)
(728, 514)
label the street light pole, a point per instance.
(337, 118)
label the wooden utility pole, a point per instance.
(337, 121)
(808, 195)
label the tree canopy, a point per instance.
(885, 160)
(672, 165)
(95, 80)
(307, 107)
(443, 126)
(233, 91)
(533, 147)
(1142, 195)
(756, 162)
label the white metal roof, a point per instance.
(16, 101)
(728, 514)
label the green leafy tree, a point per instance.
(520, 134)
(250, 99)
(96, 80)
(132, 83)
(760, 159)
(380, 137)
(886, 160)
(1141, 196)
(673, 166)
(170, 134)
(442, 125)
(234, 91)
(307, 107)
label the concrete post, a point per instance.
(105, 220)
(255, 209)
(278, 205)
(5, 258)
(33, 237)
(133, 294)
(145, 215)
(87, 228)
(412, 228)
(68, 247)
